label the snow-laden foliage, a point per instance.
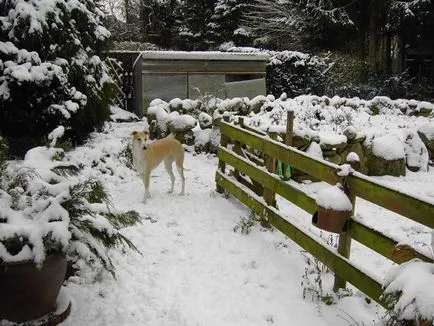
(408, 289)
(50, 71)
(48, 207)
(225, 22)
(290, 23)
(292, 72)
(191, 24)
(328, 23)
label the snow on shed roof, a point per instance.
(204, 55)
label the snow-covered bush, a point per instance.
(408, 289)
(50, 72)
(46, 207)
(3, 155)
(292, 72)
(295, 73)
(330, 128)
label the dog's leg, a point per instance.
(146, 178)
(168, 166)
(181, 174)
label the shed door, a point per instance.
(206, 84)
(164, 86)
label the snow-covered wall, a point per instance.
(387, 135)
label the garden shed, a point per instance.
(176, 74)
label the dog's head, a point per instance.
(141, 139)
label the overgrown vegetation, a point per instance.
(245, 225)
(312, 283)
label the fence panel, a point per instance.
(356, 185)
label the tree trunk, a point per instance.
(399, 64)
(387, 54)
(372, 35)
(128, 16)
(145, 13)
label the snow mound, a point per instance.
(414, 281)
(333, 198)
(388, 147)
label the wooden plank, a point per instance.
(254, 158)
(246, 127)
(294, 157)
(289, 127)
(258, 188)
(339, 265)
(379, 242)
(396, 201)
(224, 140)
(237, 149)
(269, 180)
(361, 186)
(369, 237)
(269, 194)
(344, 243)
(288, 140)
(253, 187)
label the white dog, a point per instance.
(147, 156)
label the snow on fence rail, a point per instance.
(259, 191)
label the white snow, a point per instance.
(314, 150)
(352, 157)
(175, 102)
(344, 170)
(425, 105)
(333, 198)
(332, 139)
(56, 134)
(183, 121)
(203, 55)
(117, 114)
(428, 130)
(415, 279)
(195, 270)
(204, 117)
(416, 154)
(388, 147)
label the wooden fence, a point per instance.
(256, 188)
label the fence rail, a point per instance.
(357, 185)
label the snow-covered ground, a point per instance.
(195, 270)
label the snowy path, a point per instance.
(195, 270)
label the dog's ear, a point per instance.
(134, 133)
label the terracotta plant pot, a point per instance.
(28, 293)
(331, 220)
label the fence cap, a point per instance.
(204, 55)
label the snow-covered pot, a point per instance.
(333, 210)
(28, 292)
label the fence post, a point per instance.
(269, 195)
(344, 244)
(289, 127)
(222, 164)
(288, 140)
(237, 148)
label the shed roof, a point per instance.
(204, 55)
